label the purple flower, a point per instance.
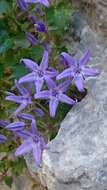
(16, 126)
(40, 27)
(43, 2)
(30, 37)
(24, 99)
(34, 143)
(55, 94)
(39, 12)
(77, 70)
(22, 4)
(39, 112)
(25, 116)
(23, 134)
(3, 123)
(2, 138)
(32, 19)
(39, 73)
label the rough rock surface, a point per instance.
(96, 13)
(77, 157)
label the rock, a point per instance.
(77, 158)
(96, 13)
(25, 182)
(3, 186)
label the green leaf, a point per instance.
(17, 166)
(19, 71)
(8, 181)
(59, 18)
(8, 44)
(4, 6)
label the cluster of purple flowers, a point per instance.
(38, 22)
(47, 85)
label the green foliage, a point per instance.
(59, 19)
(4, 6)
(13, 167)
(8, 180)
(18, 166)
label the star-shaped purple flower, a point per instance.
(24, 99)
(33, 143)
(78, 70)
(55, 94)
(39, 74)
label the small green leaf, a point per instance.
(4, 6)
(8, 181)
(19, 71)
(8, 44)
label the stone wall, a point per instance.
(96, 13)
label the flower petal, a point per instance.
(28, 78)
(25, 116)
(38, 84)
(16, 126)
(33, 128)
(4, 123)
(31, 38)
(44, 62)
(42, 95)
(70, 60)
(90, 72)
(37, 153)
(51, 74)
(2, 138)
(22, 4)
(23, 134)
(24, 148)
(50, 83)
(21, 89)
(64, 74)
(79, 82)
(20, 108)
(43, 2)
(40, 27)
(84, 59)
(64, 86)
(53, 104)
(30, 64)
(65, 99)
(16, 99)
(39, 12)
(39, 112)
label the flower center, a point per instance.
(27, 98)
(54, 92)
(40, 73)
(77, 70)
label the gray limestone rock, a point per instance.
(96, 13)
